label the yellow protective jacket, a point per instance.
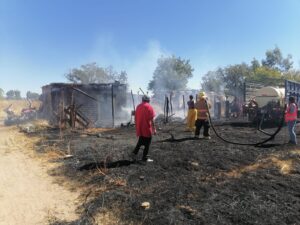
(202, 112)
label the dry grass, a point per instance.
(241, 185)
(284, 166)
(109, 218)
(97, 130)
(16, 140)
(118, 181)
(17, 106)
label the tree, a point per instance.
(92, 73)
(272, 71)
(275, 60)
(18, 95)
(171, 74)
(234, 77)
(229, 79)
(10, 94)
(292, 75)
(13, 94)
(267, 76)
(213, 81)
(255, 64)
(32, 95)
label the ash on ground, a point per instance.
(189, 182)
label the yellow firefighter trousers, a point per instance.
(191, 118)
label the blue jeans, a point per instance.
(291, 129)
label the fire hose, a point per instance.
(272, 136)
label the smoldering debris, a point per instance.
(188, 181)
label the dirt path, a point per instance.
(28, 195)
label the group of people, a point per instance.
(198, 112)
(198, 115)
(145, 127)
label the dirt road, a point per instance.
(28, 195)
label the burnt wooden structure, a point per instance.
(83, 105)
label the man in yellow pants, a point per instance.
(192, 114)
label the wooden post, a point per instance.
(112, 105)
(167, 110)
(132, 101)
(244, 93)
(171, 106)
(62, 114)
(72, 112)
(183, 105)
(133, 112)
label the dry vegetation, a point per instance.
(17, 106)
(189, 182)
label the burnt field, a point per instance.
(189, 182)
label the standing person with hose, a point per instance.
(192, 114)
(145, 128)
(202, 116)
(291, 119)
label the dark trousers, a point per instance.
(143, 141)
(199, 124)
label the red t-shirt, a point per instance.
(143, 115)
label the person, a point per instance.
(192, 114)
(291, 119)
(235, 109)
(145, 127)
(202, 116)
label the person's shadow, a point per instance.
(95, 165)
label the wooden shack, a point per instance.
(83, 105)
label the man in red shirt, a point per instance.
(145, 127)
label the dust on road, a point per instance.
(28, 195)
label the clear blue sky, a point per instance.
(41, 40)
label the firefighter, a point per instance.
(291, 119)
(192, 114)
(202, 116)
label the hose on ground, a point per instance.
(272, 136)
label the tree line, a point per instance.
(172, 74)
(16, 95)
(269, 71)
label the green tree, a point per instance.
(213, 81)
(18, 94)
(292, 75)
(32, 95)
(92, 73)
(13, 94)
(171, 74)
(271, 71)
(255, 64)
(234, 77)
(10, 94)
(275, 60)
(267, 76)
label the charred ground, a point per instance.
(189, 182)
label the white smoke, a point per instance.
(139, 65)
(140, 70)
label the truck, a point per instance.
(267, 103)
